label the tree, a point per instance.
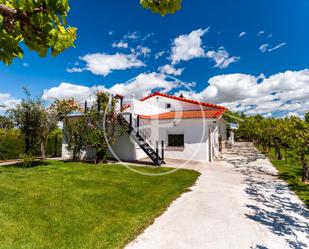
(162, 7)
(299, 141)
(34, 121)
(39, 24)
(75, 134)
(64, 107)
(47, 124)
(6, 123)
(103, 128)
(27, 116)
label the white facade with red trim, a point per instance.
(189, 129)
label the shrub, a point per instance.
(28, 160)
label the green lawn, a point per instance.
(74, 205)
(292, 174)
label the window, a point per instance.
(176, 140)
(167, 105)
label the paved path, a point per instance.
(237, 202)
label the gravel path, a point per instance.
(238, 202)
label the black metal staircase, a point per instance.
(140, 140)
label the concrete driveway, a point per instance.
(238, 202)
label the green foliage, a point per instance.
(40, 24)
(74, 205)
(98, 128)
(103, 128)
(34, 121)
(75, 133)
(64, 107)
(27, 159)
(288, 133)
(292, 172)
(11, 144)
(54, 143)
(162, 7)
(6, 123)
(27, 116)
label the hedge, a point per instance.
(12, 145)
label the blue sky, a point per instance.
(219, 56)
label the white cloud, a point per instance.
(104, 64)
(141, 51)
(141, 86)
(170, 69)
(137, 36)
(147, 36)
(280, 93)
(159, 54)
(280, 45)
(68, 90)
(221, 58)
(265, 47)
(242, 34)
(187, 47)
(132, 36)
(75, 70)
(261, 33)
(120, 44)
(7, 102)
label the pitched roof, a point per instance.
(184, 100)
(187, 114)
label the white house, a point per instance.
(165, 126)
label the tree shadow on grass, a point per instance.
(20, 165)
(270, 200)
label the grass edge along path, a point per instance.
(291, 172)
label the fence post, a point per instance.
(137, 125)
(86, 107)
(130, 122)
(56, 144)
(99, 105)
(157, 148)
(121, 104)
(162, 150)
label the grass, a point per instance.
(292, 173)
(75, 205)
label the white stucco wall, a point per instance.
(196, 138)
(176, 105)
(124, 148)
(144, 108)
